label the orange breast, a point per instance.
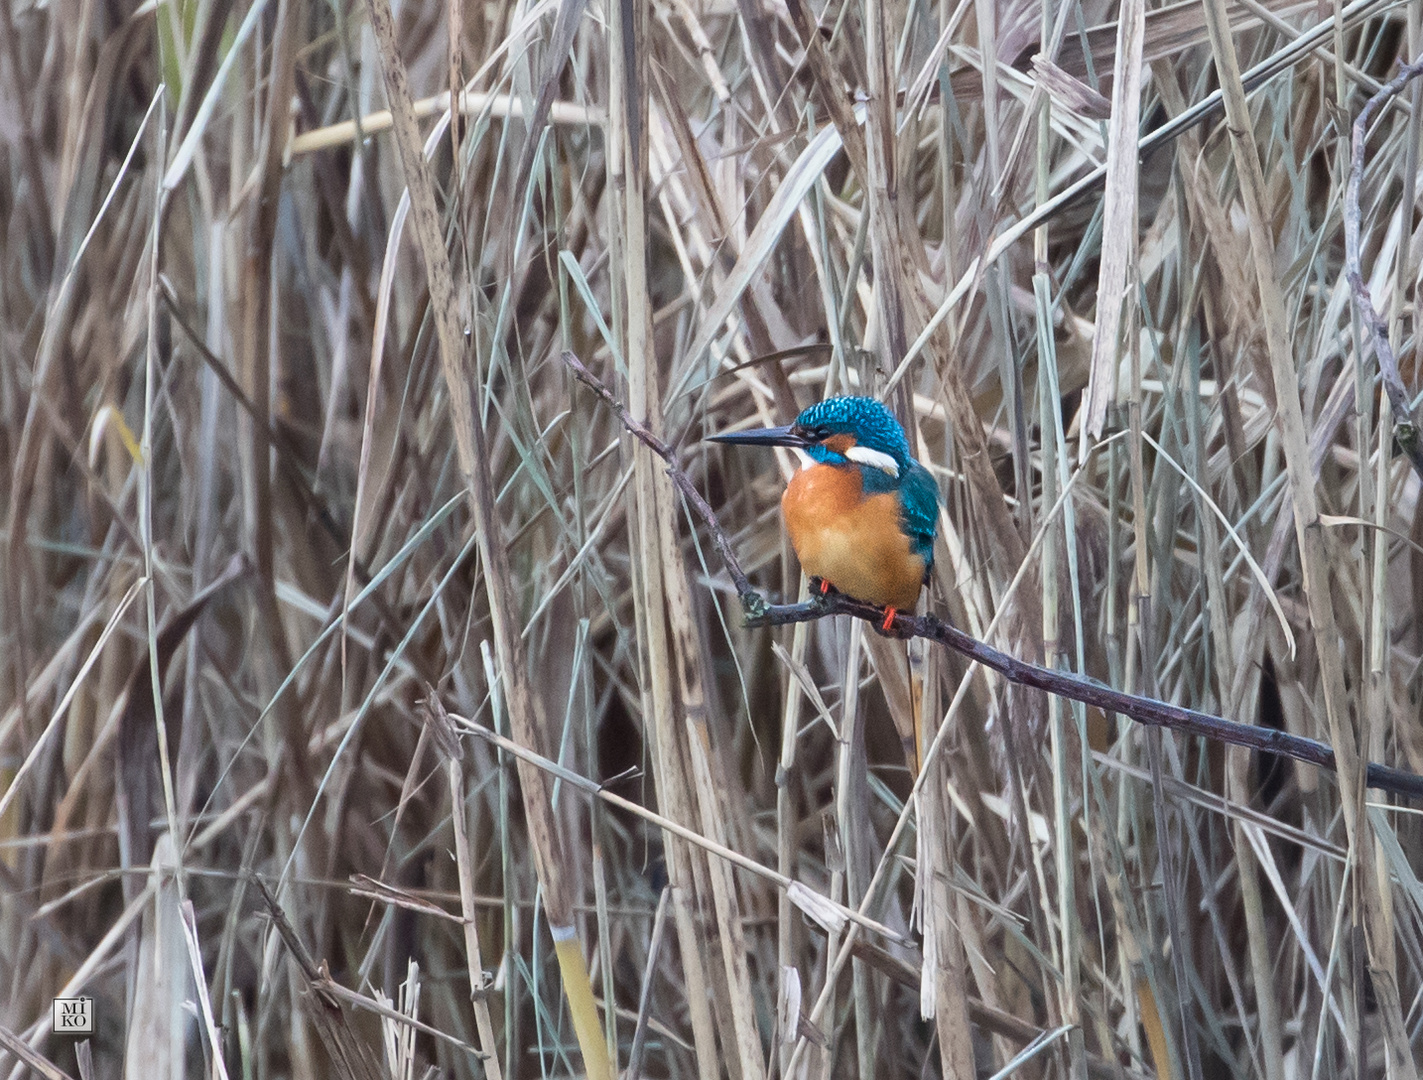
(850, 540)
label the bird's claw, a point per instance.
(819, 598)
(888, 627)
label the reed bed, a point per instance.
(372, 705)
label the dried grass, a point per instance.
(287, 479)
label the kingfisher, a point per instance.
(862, 513)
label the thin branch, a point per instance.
(1405, 430)
(752, 601)
(1144, 710)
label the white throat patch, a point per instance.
(877, 459)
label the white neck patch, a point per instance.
(877, 459)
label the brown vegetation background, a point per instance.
(291, 466)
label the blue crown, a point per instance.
(872, 425)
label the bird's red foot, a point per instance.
(889, 614)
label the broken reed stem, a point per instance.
(471, 103)
(444, 734)
(1405, 430)
(1143, 710)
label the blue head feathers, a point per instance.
(871, 426)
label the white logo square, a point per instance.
(73, 1016)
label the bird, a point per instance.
(862, 514)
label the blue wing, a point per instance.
(919, 510)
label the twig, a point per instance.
(444, 732)
(1405, 430)
(32, 1058)
(1144, 710)
(752, 601)
(350, 1056)
(324, 984)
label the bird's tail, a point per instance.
(914, 657)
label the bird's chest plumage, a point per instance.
(852, 540)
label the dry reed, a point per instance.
(294, 468)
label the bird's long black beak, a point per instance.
(771, 436)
